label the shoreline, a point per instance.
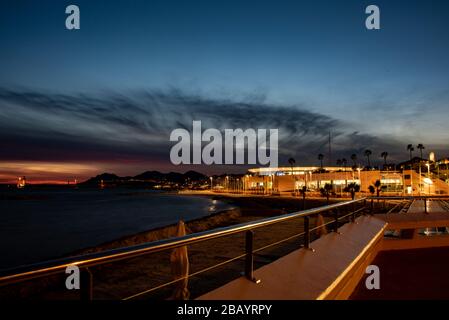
(244, 208)
(215, 220)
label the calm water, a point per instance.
(52, 223)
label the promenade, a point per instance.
(335, 268)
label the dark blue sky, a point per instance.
(312, 56)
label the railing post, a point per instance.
(336, 220)
(425, 205)
(86, 285)
(353, 212)
(306, 233)
(249, 259)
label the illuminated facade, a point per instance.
(292, 180)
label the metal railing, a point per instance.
(87, 261)
(424, 198)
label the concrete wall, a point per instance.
(285, 183)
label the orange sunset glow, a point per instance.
(45, 172)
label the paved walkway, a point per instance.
(432, 207)
(437, 216)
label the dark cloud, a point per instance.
(116, 126)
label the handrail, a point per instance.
(9, 276)
(408, 197)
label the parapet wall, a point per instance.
(331, 271)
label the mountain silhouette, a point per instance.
(149, 176)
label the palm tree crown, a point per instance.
(421, 148)
(410, 149)
(321, 157)
(384, 155)
(354, 158)
(367, 154)
(292, 163)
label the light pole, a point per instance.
(360, 180)
(403, 183)
(420, 178)
(438, 170)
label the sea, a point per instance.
(42, 224)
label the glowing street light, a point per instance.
(428, 168)
(358, 170)
(428, 181)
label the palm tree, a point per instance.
(339, 162)
(303, 191)
(378, 186)
(367, 154)
(352, 188)
(344, 162)
(354, 159)
(421, 148)
(292, 163)
(326, 191)
(321, 157)
(410, 149)
(384, 155)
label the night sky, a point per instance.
(74, 104)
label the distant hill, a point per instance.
(195, 176)
(107, 177)
(149, 176)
